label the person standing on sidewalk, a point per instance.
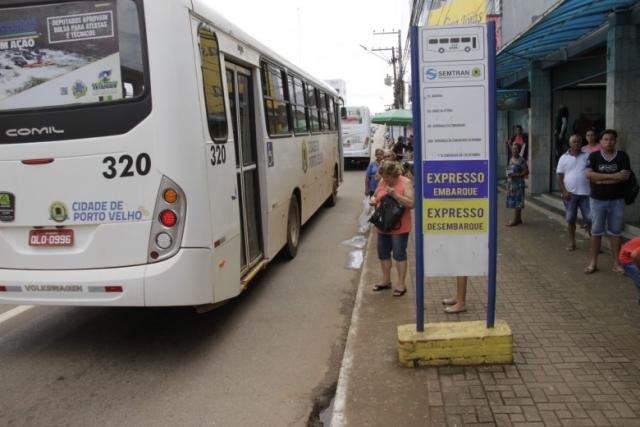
(370, 181)
(607, 170)
(393, 184)
(629, 259)
(521, 139)
(457, 304)
(517, 169)
(574, 186)
(592, 142)
(399, 148)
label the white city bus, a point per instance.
(151, 153)
(356, 133)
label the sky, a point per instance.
(323, 37)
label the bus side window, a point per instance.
(299, 109)
(212, 80)
(433, 41)
(331, 113)
(322, 108)
(312, 108)
(276, 108)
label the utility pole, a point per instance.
(398, 81)
(396, 100)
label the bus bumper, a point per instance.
(182, 280)
(358, 154)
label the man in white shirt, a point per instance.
(574, 185)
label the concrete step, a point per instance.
(553, 203)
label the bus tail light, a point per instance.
(168, 218)
(168, 221)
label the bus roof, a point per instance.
(221, 23)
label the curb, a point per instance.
(338, 417)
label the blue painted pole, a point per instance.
(493, 176)
(416, 97)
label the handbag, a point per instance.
(387, 215)
(631, 189)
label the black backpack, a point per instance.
(387, 215)
(631, 189)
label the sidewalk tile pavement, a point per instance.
(576, 343)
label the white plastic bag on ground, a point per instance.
(363, 220)
(355, 259)
(358, 241)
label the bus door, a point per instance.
(241, 98)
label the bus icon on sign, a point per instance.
(453, 44)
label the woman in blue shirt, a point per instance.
(370, 181)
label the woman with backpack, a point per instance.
(394, 241)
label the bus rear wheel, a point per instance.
(293, 229)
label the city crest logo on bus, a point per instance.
(58, 212)
(7, 206)
(79, 89)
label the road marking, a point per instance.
(14, 312)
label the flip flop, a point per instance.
(590, 269)
(453, 310)
(399, 292)
(449, 301)
(381, 287)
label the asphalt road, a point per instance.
(264, 359)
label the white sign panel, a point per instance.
(455, 159)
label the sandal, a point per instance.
(453, 310)
(590, 269)
(618, 270)
(381, 287)
(571, 248)
(449, 301)
(399, 292)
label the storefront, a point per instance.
(581, 65)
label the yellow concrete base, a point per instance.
(455, 343)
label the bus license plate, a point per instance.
(51, 238)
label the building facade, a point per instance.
(579, 63)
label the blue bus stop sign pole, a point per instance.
(493, 176)
(493, 193)
(417, 173)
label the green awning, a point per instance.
(393, 118)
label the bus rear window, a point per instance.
(70, 53)
(353, 116)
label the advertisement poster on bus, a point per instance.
(62, 54)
